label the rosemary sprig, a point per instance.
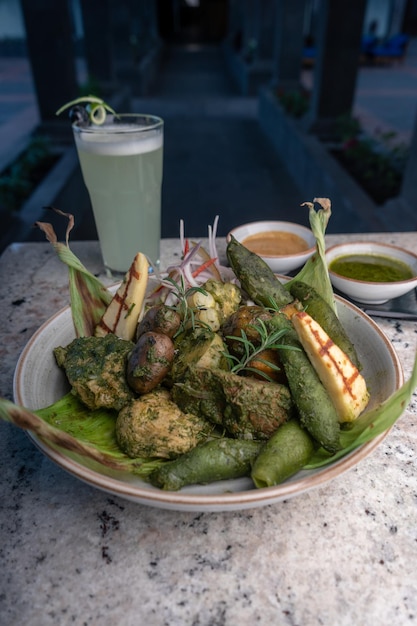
(182, 293)
(251, 351)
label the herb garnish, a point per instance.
(268, 341)
(182, 293)
(94, 107)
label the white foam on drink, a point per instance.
(109, 144)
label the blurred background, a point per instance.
(267, 104)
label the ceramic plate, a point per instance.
(38, 382)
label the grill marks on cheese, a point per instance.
(122, 314)
(326, 351)
(121, 307)
(341, 378)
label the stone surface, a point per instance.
(341, 554)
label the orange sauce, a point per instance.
(275, 243)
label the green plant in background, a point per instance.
(295, 102)
(251, 50)
(21, 177)
(377, 162)
(347, 127)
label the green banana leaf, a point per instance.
(371, 423)
(70, 425)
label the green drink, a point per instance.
(121, 161)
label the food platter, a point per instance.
(38, 382)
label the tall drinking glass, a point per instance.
(121, 161)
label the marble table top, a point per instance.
(344, 553)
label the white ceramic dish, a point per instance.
(38, 382)
(370, 292)
(281, 264)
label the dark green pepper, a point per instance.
(218, 459)
(283, 455)
(314, 405)
(256, 277)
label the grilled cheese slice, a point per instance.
(340, 377)
(122, 314)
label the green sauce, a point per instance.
(372, 268)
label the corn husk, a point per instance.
(89, 297)
(315, 272)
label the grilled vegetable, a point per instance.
(208, 317)
(203, 307)
(247, 408)
(226, 295)
(255, 276)
(283, 455)
(198, 347)
(342, 379)
(261, 356)
(159, 319)
(315, 407)
(95, 368)
(243, 320)
(219, 459)
(266, 365)
(149, 362)
(154, 426)
(122, 314)
(324, 315)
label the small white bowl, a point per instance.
(368, 292)
(279, 263)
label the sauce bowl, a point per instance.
(284, 246)
(370, 291)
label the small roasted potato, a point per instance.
(227, 297)
(243, 319)
(266, 364)
(198, 347)
(149, 362)
(204, 310)
(159, 319)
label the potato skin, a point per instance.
(159, 319)
(149, 362)
(243, 319)
(260, 363)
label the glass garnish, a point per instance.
(87, 109)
